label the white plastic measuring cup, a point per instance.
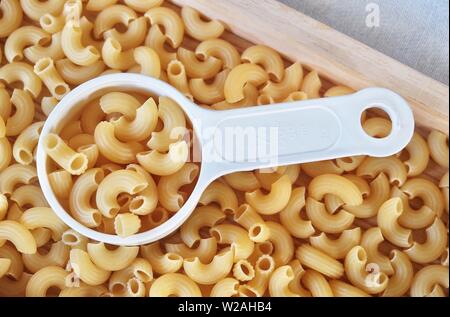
(304, 131)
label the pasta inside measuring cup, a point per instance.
(124, 165)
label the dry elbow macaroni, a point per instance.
(358, 226)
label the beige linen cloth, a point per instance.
(414, 32)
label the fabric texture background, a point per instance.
(414, 32)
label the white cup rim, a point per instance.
(123, 82)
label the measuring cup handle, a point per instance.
(299, 132)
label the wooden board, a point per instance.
(337, 57)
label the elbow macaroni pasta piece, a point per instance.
(239, 77)
(44, 279)
(427, 278)
(29, 196)
(336, 185)
(71, 161)
(235, 236)
(75, 74)
(391, 166)
(26, 142)
(433, 247)
(58, 255)
(205, 216)
(34, 9)
(126, 224)
(48, 104)
(282, 242)
(219, 49)
(44, 217)
(279, 282)
(419, 156)
(18, 235)
(325, 221)
(387, 220)
(257, 287)
(290, 83)
(21, 38)
(411, 218)
(268, 58)
(209, 93)
(377, 127)
(15, 266)
(161, 164)
(319, 261)
(275, 201)
(250, 99)
(53, 50)
(243, 271)
(431, 196)
(83, 267)
(438, 144)
(143, 5)
(134, 35)
(148, 60)
(311, 85)
(115, 57)
(121, 181)
(80, 198)
(171, 21)
(23, 73)
(156, 40)
(337, 248)
(112, 148)
(206, 69)
(45, 69)
(350, 164)
(198, 28)
(355, 269)
(402, 277)
(210, 273)
(12, 16)
(112, 15)
(121, 103)
(175, 284)
(342, 289)
(221, 194)
(6, 150)
(315, 169)
(228, 287)
(141, 127)
(206, 250)
(317, 284)
(162, 263)
(247, 217)
(176, 72)
(338, 90)
(73, 46)
(174, 128)
(243, 181)
(147, 200)
(111, 260)
(15, 175)
(379, 193)
(25, 111)
(371, 240)
(169, 187)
